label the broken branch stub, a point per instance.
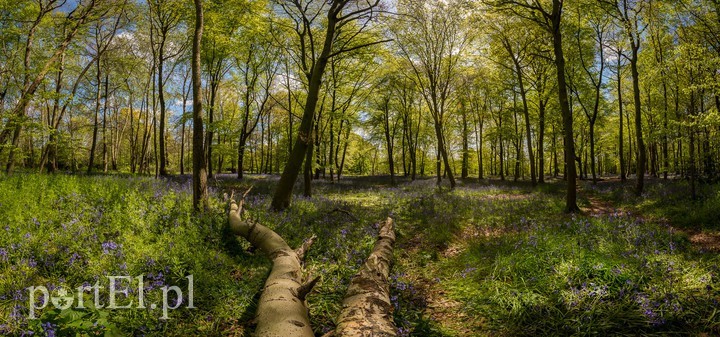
(281, 311)
(367, 310)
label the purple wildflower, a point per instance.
(49, 329)
(467, 271)
(109, 246)
(74, 257)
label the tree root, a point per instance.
(343, 211)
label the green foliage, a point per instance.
(502, 253)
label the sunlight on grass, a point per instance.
(478, 260)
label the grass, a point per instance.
(486, 258)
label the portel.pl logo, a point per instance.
(62, 299)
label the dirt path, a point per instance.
(598, 207)
(702, 240)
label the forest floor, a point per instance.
(488, 258)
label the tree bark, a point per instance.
(161, 99)
(200, 190)
(621, 141)
(541, 141)
(389, 138)
(465, 150)
(367, 310)
(282, 310)
(641, 157)
(93, 145)
(307, 171)
(283, 191)
(571, 195)
(526, 114)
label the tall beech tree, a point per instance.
(345, 21)
(431, 37)
(75, 20)
(200, 188)
(628, 14)
(165, 17)
(550, 18)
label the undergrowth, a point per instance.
(504, 253)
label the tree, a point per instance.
(540, 75)
(551, 20)
(431, 38)
(75, 20)
(628, 13)
(102, 39)
(595, 73)
(165, 17)
(258, 71)
(385, 117)
(409, 105)
(517, 50)
(340, 14)
(619, 52)
(200, 189)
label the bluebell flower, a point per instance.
(49, 329)
(109, 246)
(74, 257)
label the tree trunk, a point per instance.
(200, 190)
(210, 133)
(307, 172)
(241, 157)
(345, 147)
(465, 150)
(516, 143)
(592, 152)
(161, 99)
(640, 168)
(621, 141)
(283, 191)
(443, 153)
(104, 126)
(367, 309)
(389, 140)
(526, 113)
(281, 309)
(93, 145)
(571, 195)
(541, 142)
(182, 130)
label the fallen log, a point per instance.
(282, 309)
(367, 310)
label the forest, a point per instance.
(359, 167)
